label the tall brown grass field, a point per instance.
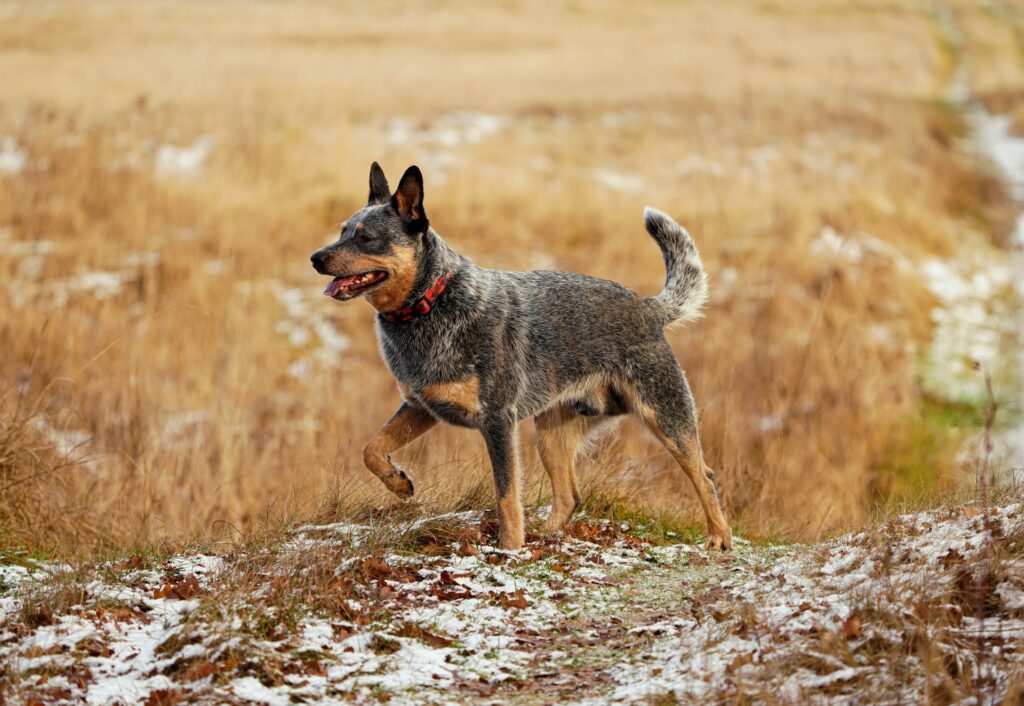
(168, 368)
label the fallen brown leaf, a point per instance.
(970, 511)
(182, 589)
(133, 562)
(442, 594)
(711, 596)
(199, 670)
(375, 568)
(515, 600)
(95, 648)
(739, 662)
(424, 635)
(162, 697)
(852, 628)
(489, 528)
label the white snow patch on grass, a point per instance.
(183, 160)
(13, 157)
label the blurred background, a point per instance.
(169, 368)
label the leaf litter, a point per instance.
(923, 604)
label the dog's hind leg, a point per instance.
(408, 423)
(499, 430)
(688, 454)
(664, 402)
(560, 431)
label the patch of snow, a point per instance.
(857, 247)
(762, 158)
(24, 248)
(101, 285)
(831, 243)
(251, 690)
(177, 426)
(307, 326)
(197, 564)
(13, 158)
(450, 130)
(69, 443)
(619, 181)
(183, 161)
(992, 137)
(696, 164)
(806, 595)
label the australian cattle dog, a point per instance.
(484, 349)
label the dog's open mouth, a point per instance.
(348, 286)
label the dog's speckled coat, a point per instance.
(572, 351)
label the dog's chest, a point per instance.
(438, 377)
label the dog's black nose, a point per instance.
(319, 260)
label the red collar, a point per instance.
(420, 307)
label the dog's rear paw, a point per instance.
(557, 520)
(553, 524)
(721, 541)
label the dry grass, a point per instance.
(755, 124)
(994, 39)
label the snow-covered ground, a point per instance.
(428, 611)
(995, 140)
(980, 316)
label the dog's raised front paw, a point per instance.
(400, 484)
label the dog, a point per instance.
(485, 349)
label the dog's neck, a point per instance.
(437, 260)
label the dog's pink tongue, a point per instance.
(336, 285)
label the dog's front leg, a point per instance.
(501, 435)
(405, 425)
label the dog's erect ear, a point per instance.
(408, 201)
(380, 192)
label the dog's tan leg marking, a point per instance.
(408, 423)
(501, 435)
(510, 508)
(464, 394)
(690, 457)
(559, 434)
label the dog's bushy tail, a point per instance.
(686, 285)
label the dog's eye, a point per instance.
(363, 237)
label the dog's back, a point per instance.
(549, 333)
(541, 336)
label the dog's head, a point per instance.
(378, 249)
